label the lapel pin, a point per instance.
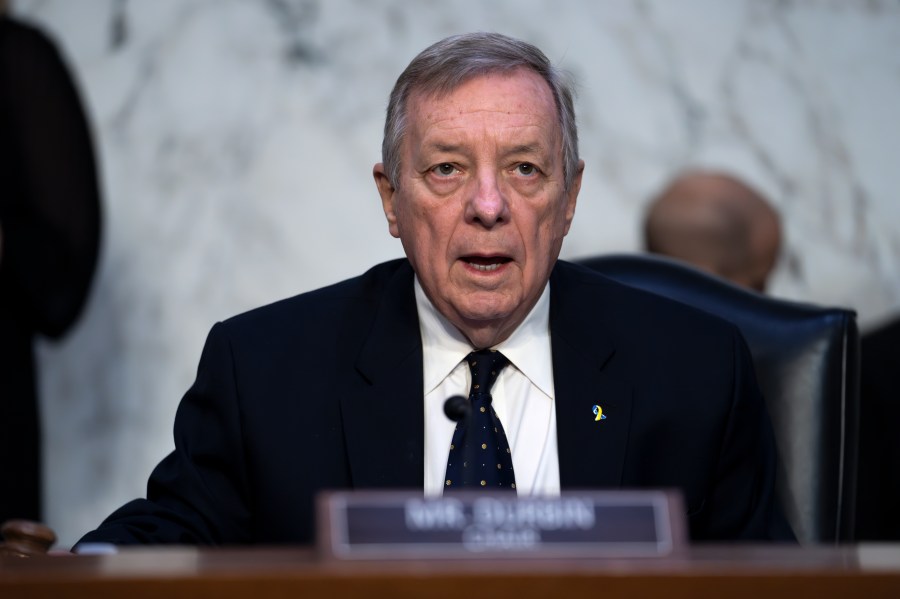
(598, 412)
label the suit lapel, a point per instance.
(591, 452)
(383, 411)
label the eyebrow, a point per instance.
(447, 148)
(524, 149)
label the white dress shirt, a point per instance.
(522, 395)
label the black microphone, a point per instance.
(457, 408)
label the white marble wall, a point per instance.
(237, 138)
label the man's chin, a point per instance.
(484, 311)
(485, 324)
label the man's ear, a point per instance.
(572, 195)
(387, 193)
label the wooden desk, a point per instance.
(756, 572)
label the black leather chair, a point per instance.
(807, 364)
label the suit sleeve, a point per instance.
(199, 493)
(743, 504)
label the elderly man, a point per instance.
(586, 383)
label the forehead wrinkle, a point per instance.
(441, 116)
(433, 134)
(454, 124)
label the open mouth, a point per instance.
(486, 263)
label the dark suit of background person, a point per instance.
(325, 390)
(878, 493)
(49, 230)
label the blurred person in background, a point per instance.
(721, 225)
(878, 489)
(49, 239)
(717, 223)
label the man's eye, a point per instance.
(445, 170)
(526, 169)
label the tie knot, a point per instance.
(485, 365)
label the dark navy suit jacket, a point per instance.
(324, 391)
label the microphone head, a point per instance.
(457, 408)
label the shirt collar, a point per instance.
(528, 347)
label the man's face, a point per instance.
(481, 206)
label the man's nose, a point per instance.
(487, 203)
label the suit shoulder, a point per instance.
(350, 295)
(613, 305)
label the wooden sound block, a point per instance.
(25, 538)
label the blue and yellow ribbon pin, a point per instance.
(598, 412)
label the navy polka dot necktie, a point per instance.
(479, 453)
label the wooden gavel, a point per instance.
(24, 538)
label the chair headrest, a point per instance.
(767, 323)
